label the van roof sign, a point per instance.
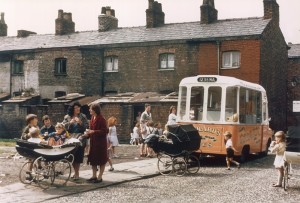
(207, 79)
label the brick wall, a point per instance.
(273, 74)
(293, 93)
(250, 59)
(92, 72)
(50, 82)
(139, 68)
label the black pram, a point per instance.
(175, 154)
(46, 164)
(182, 138)
(49, 153)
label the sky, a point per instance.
(39, 15)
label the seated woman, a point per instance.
(59, 136)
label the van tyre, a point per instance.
(245, 154)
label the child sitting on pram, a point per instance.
(35, 137)
(59, 136)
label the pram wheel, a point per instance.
(179, 166)
(193, 164)
(165, 164)
(286, 175)
(25, 174)
(43, 172)
(62, 170)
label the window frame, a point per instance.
(20, 70)
(114, 61)
(168, 61)
(56, 68)
(231, 66)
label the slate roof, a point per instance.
(232, 28)
(294, 51)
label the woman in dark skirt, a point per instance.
(98, 143)
(76, 123)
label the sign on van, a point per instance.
(296, 106)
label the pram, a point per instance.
(175, 153)
(46, 164)
(291, 155)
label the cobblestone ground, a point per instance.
(10, 165)
(251, 183)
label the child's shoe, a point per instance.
(111, 169)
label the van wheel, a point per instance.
(265, 153)
(245, 153)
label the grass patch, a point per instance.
(7, 142)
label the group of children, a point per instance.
(48, 134)
(140, 133)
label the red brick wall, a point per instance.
(250, 59)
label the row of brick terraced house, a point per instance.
(123, 68)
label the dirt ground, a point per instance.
(10, 164)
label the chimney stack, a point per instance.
(25, 33)
(3, 26)
(107, 20)
(64, 24)
(271, 11)
(155, 17)
(208, 12)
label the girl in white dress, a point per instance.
(112, 134)
(278, 147)
(136, 134)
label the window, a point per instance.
(61, 66)
(18, 67)
(111, 64)
(231, 59)
(196, 110)
(250, 106)
(167, 61)
(231, 114)
(182, 104)
(214, 103)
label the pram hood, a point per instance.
(187, 136)
(184, 137)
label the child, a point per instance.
(112, 134)
(136, 134)
(278, 146)
(59, 136)
(230, 150)
(110, 153)
(32, 121)
(47, 127)
(34, 133)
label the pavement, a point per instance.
(124, 172)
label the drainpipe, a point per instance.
(218, 54)
(10, 76)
